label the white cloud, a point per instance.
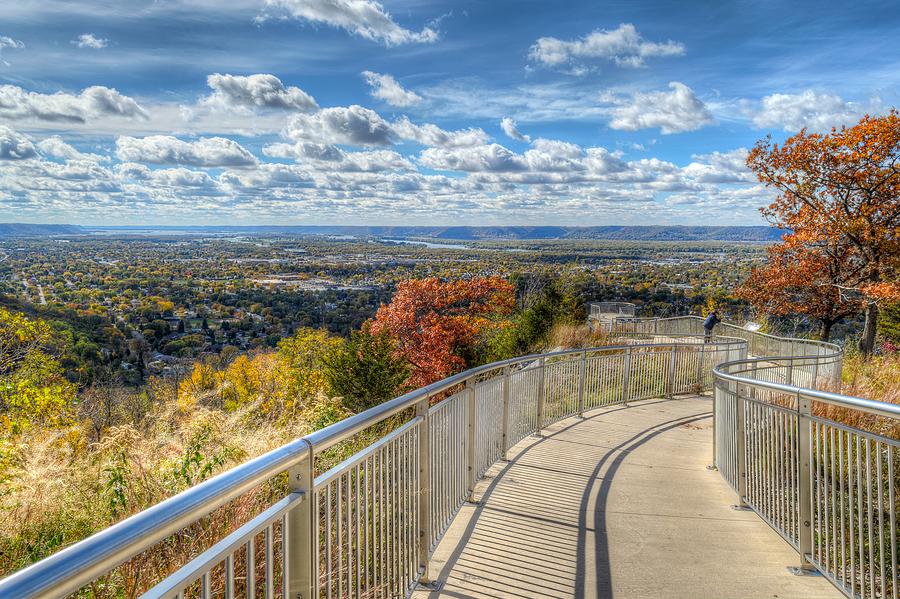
(8, 42)
(365, 18)
(256, 91)
(14, 145)
(720, 167)
(385, 87)
(57, 148)
(672, 111)
(89, 40)
(93, 102)
(164, 149)
(811, 109)
(509, 127)
(331, 158)
(352, 125)
(358, 126)
(487, 158)
(623, 46)
(432, 135)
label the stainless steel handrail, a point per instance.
(75, 566)
(879, 408)
(84, 562)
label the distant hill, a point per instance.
(30, 230)
(613, 233)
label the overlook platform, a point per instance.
(620, 504)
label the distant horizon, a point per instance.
(383, 226)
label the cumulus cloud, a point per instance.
(55, 147)
(548, 160)
(385, 87)
(358, 126)
(488, 158)
(511, 130)
(93, 102)
(89, 40)
(352, 125)
(8, 42)
(14, 145)
(365, 18)
(672, 111)
(720, 167)
(623, 46)
(260, 91)
(328, 157)
(811, 109)
(432, 135)
(164, 149)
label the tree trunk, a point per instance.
(825, 330)
(867, 343)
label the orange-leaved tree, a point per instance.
(801, 280)
(842, 188)
(435, 323)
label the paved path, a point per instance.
(618, 505)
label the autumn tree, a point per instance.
(32, 387)
(800, 280)
(842, 188)
(437, 323)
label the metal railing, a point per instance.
(606, 310)
(813, 465)
(827, 482)
(367, 526)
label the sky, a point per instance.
(418, 112)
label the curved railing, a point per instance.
(367, 526)
(819, 467)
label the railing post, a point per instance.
(716, 393)
(299, 538)
(471, 439)
(741, 442)
(627, 382)
(424, 489)
(700, 360)
(670, 383)
(505, 435)
(581, 376)
(541, 398)
(804, 494)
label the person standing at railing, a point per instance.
(709, 324)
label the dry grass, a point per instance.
(876, 378)
(58, 488)
(572, 336)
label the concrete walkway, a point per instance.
(617, 505)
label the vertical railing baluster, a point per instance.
(670, 383)
(581, 376)
(471, 439)
(299, 544)
(804, 476)
(627, 375)
(424, 490)
(741, 445)
(504, 437)
(541, 397)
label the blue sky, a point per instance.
(418, 112)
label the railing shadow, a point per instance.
(614, 456)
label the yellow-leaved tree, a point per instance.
(33, 390)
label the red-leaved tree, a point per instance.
(842, 188)
(435, 322)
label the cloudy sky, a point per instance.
(419, 111)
